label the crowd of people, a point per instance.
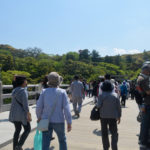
(53, 104)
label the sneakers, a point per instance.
(77, 114)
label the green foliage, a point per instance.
(35, 64)
(95, 56)
(72, 56)
(8, 76)
(84, 55)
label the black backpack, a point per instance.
(138, 97)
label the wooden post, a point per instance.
(1, 92)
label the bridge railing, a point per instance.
(6, 94)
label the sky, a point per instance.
(58, 26)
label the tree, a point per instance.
(6, 61)
(84, 55)
(72, 56)
(33, 52)
(117, 60)
(129, 59)
(8, 76)
(108, 59)
(146, 55)
(95, 56)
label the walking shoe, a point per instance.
(18, 148)
(143, 147)
(77, 114)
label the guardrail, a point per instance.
(5, 94)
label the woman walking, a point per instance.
(110, 113)
(53, 95)
(19, 112)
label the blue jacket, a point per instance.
(124, 89)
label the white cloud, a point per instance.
(125, 51)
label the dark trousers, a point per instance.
(112, 124)
(16, 140)
(90, 93)
(145, 126)
(123, 100)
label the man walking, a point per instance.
(77, 91)
(144, 84)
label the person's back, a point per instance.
(76, 89)
(123, 89)
(110, 113)
(19, 112)
(110, 105)
(143, 82)
(47, 100)
(53, 105)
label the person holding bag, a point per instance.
(53, 106)
(110, 113)
(19, 112)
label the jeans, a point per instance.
(112, 123)
(59, 128)
(145, 126)
(77, 105)
(18, 126)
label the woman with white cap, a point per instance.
(47, 99)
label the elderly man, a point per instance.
(77, 92)
(144, 84)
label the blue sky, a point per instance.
(59, 26)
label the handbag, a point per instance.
(139, 117)
(43, 124)
(95, 114)
(38, 140)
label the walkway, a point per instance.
(86, 134)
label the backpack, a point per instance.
(138, 97)
(139, 94)
(123, 89)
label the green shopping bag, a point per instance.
(38, 140)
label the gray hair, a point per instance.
(53, 79)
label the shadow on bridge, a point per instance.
(99, 132)
(51, 148)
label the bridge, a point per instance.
(85, 134)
